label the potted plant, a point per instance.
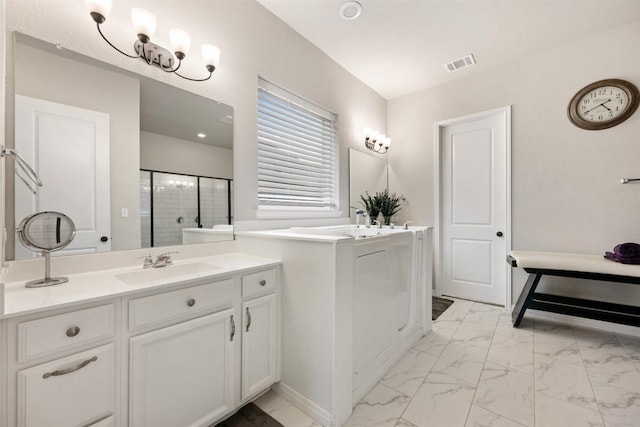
(382, 202)
(370, 205)
(389, 205)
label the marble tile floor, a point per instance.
(475, 369)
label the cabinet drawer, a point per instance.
(258, 283)
(68, 391)
(49, 335)
(179, 304)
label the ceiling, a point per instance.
(398, 47)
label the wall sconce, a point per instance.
(144, 23)
(375, 141)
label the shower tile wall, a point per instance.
(175, 206)
(145, 209)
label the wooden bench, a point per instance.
(580, 266)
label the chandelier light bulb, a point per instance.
(180, 42)
(144, 23)
(210, 56)
(99, 9)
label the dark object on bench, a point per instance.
(608, 312)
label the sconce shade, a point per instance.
(210, 55)
(180, 41)
(377, 142)
(99, 8)
(144, 23)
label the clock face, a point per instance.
(603, 104)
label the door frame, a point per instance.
(437, 235)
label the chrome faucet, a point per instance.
(148, 261)
(163, 260)
(406, 225)
(377, 223)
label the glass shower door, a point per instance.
(174, 207)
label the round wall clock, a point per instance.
(603, 104)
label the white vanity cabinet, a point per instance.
(181, 352)
(62, 367)
(259, 327)
(182, 375)
(199, 352)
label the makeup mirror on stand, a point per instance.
(46, 232)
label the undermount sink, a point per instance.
(168, 272)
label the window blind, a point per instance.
(297, 152)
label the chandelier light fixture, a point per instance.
(144, 23)
(376, 141)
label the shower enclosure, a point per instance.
(170, 202)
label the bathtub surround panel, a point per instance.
(334, 287)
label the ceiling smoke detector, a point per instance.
(350, 10)
(458, 64)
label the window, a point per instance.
(297, 154)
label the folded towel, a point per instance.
(622, 259)
(627, 250)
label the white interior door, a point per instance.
(69, 149)
(474, 206)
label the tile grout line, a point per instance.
(587, 374)
(434, 364)
(466, 420)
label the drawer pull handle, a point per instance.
(73, 331)
(263, 282)
(191, 302)
(69, 370)
(233, 328)
(248, 319)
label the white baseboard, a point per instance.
(615, 328)
(305, 405)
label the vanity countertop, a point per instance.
(104, 284)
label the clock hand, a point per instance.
(601, 104)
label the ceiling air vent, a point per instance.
(460, 63)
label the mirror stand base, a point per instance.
(49, 281)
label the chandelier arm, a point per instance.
(195, 80)
(168, 70)
(111, 44)
(149, 60)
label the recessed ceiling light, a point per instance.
(350, 10)
(201, 135)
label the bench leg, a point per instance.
(525, 297)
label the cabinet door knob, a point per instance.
(73, 331)
(499, 234)
(191, 302)
(263, 282)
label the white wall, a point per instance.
(253, 42)
(566, 195)
(168, 154)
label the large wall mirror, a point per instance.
(134, 162)
(366, 173)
